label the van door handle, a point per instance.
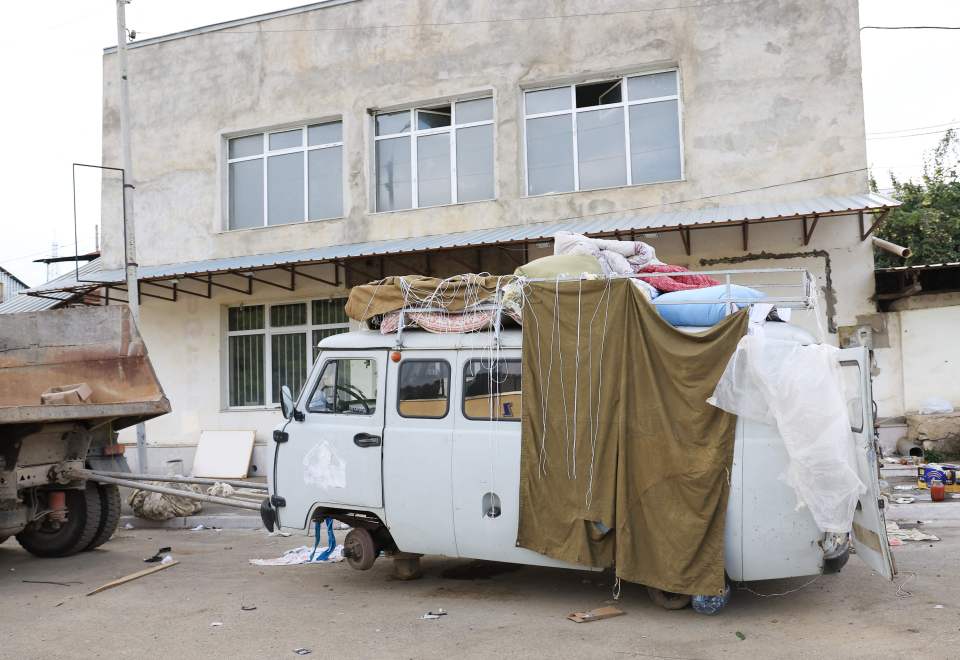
(366, 440)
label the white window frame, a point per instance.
(415, 133)
(268, 332)
(624, 103)
(265, 154)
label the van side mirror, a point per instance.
(286, 402)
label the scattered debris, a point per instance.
(248, 608)
(434, 615)
(300, 555)
(128, 526)
(896, 533)
(905, 487)
(158, 557)
(200, 527)
(904, 500)
(595, 615)
(216, 624)
(60, 584)
(938, 607)
(279, 533)
(740, 636)
(302, 651)
(134, 576)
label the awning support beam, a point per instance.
(211, 283)
(349, 269)
(685, 237)
(876, 223)
(745, 229)
(808, 233)
(322, 280)
(253, 278)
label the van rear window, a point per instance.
(491, 390)
(424, 389)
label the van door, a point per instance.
(417, 489)
(333, 455)
(869, 535)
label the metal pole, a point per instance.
(130, 248)
(203, 481)
(153, 488)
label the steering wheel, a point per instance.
(355, 394)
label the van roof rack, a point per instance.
(789, 288)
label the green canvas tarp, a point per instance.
(623, 462)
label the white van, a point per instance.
(398, 443)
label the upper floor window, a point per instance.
(286, 176)
(432, 156)
(618, 132)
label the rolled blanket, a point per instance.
(674, 282)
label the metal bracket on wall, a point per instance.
(876, 223)
(808, 231)
(685, 237)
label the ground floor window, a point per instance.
(272, 345)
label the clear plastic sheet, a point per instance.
(798, 390)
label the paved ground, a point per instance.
(338, 612)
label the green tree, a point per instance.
(928, 222)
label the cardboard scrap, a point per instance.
(595, 615)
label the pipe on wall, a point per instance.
(892, 248)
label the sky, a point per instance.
(53, 105)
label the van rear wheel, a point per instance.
(667, 599)
(359, 549)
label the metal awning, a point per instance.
(614, 225)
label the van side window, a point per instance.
(346, 387)
(491, 390)
(424, 389)
(850, 372)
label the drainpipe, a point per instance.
(892, 248)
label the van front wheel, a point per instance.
(359, 549)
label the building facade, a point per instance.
(10, 285)
(283, 158)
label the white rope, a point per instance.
(595, 415)
(576, 377)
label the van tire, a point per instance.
(359, 549)
(835, 563)
(668, 600)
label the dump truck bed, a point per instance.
(98, 346)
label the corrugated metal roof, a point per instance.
(26, 303)
(654, 221)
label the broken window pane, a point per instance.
(433, 169)
(549, 155)
(394, 182)
(246, 194)
(598, 93)
(325, 183)
(654, 142)
(652, 86)
(433, 118)
(286, 139)
(285, 188)
(547, 100)
(601, 148)
(393, 122)
(475, 163)
(476, 110)
(325, 133)
(251, 145)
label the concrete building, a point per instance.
(10, 285)
(282, 158)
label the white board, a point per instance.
(223, 454)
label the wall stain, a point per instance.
(829, 294)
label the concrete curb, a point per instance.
(223, 521)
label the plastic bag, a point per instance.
(798, 389)
(935, 406)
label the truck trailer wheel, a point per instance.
(668, 600)
(109, 514)
(48, 538)
(359, 549)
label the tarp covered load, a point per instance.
(453, 294)
(622, 459)
(799, 390)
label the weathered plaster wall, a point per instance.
(771, 94)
